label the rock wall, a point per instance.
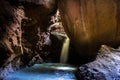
(91, 23)
(10, 30)
(24, 37)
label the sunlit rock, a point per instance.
(90, 24)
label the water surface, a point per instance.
(46, 71)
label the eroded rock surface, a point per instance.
(10, 31)
(105, 67)
(23, 32)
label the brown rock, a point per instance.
(10, 28)
(91, 23)
(23, 29)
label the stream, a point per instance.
(45, 71)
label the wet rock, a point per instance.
(10, 67)
(10, 30)
(23, 29)
(105, 67)
(57, 37)
(57, 40)
(36, 60)
(35, 35)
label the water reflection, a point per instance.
(47, 71)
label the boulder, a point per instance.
(106, 66)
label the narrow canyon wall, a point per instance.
(10, 31)
(23, 29)
(90, 23)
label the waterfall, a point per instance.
(65, 51)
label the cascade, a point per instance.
(65, 51)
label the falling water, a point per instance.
(65, 50)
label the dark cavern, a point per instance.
(59, 40)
